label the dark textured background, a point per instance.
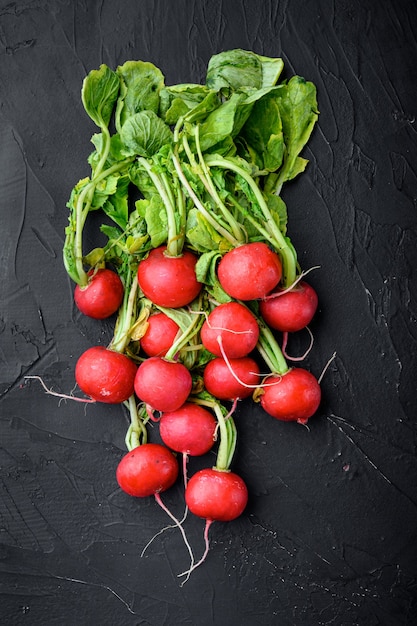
(329, 535)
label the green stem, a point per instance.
(73, 249)
(127, 313)
(270, 350)
(227, 428)
(184, 338)
(203, 173)
(287, 254)
(228, 439)
(200, 206)
(136, 434)
(163, 187)
(263, 231)
(105, 151)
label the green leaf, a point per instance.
(206, 272)
(155, 215)
(201, 235)
(140, 86)
(263, 135)
(178, 100)
(99, 94)
(145, 133)
(278, 210)
(102, 191)
(225, 121)
(237, 68)
(117, 206)
(298, 108)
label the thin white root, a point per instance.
(297, 280)
(188, 572)
(235, 376)
(62, 396)
(178, 523)
(326, 367)
(306, 353)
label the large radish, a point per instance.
(249, 271)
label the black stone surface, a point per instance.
(329, 535)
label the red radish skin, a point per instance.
(147, 470)
(290, 311)
(159, 335)
(191, 429)
(295, 397)
(250, 271)
(163, 385)
(102, 296)
(235, 325)
(169, 281)
(216, 495)
(220, 382)
(105, 375)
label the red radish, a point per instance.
(190, 429)
(146, 470)
(102, 296)
(216, 495)
(167, 280)
(105, 375)
(290, 311)
(236, 326)
(159, 335)
(222, 384)
(163, 385)
(249, 271)
(295, 396)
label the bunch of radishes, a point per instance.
(200, 271)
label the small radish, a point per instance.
(191, 429)
(163, 385)
(249, 271)
(159, 335)
(232, 324)
(105, 375)
(295, 396)
(102, 296)
(290, 311)
(146, 470)
(216, 495)
(169, 281)
(232, 379)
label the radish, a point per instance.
(147, 470)
(160, 335)
(231, 380)
(169, 281)
(216, 495)
(249, 271)
(234, 326)
(191, 429)
(163, 385)
(102, 295)
(105, 375)
(292, 310)
(295, 396)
